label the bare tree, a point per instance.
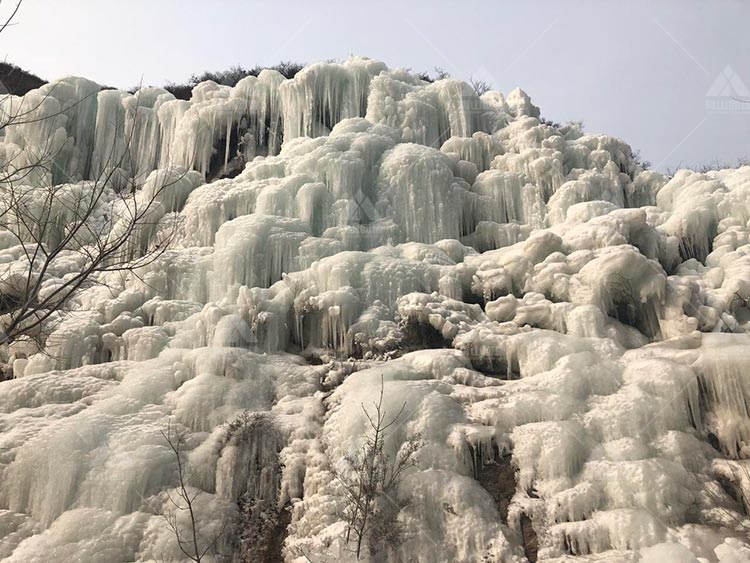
(480, 86)
(11, 16)
(371, 480)
(65, 234)
(89, 224)
(187, 540)
(440, 74)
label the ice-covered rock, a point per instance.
(566, 332)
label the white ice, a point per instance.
(533, 298)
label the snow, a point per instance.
(539, 305)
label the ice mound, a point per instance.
(565, 332)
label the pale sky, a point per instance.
(638, 70)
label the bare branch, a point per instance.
(371, 481)
(12, 15)
(190, 547)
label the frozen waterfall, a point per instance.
(566, 331)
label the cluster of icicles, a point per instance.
(532, 296)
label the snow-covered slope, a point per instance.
(565, 329)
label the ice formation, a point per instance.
(566, 331)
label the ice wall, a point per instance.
(566, 332)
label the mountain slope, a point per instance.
(563, 330)
(15, 80)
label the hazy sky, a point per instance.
(637, 70)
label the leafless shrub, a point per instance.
(371, 481)
(636, 157)
(709, 166)
(102, 225)
(549, 122)
(18, 81)
(187, 539)
(480, 86)
(439, 74)
(230, 77)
